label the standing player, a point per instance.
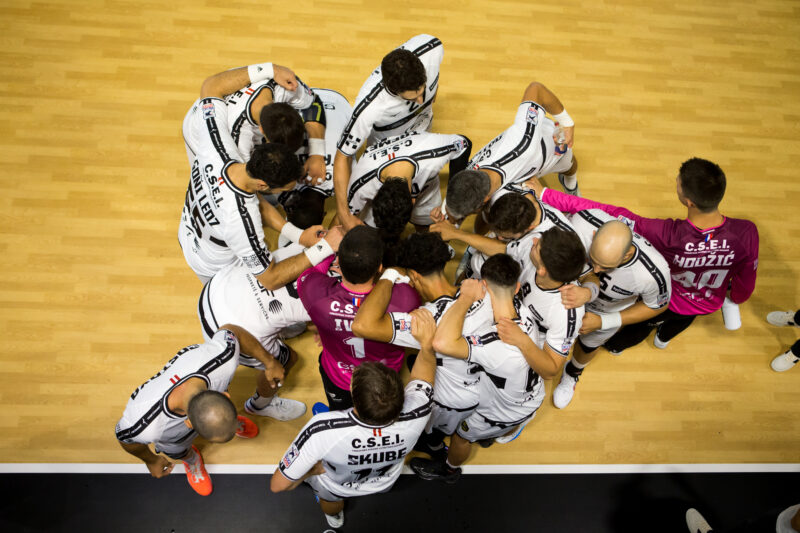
(221, 221)
(332, 306)
(187, 398)
(456, 394)
(708, 253)
(530, 147)
(397, 97)
(360, 451)
(235, 296)
(634, 287)
(417, 158)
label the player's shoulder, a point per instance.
(422, 44)
(742, 226)
(404, 297)
(417, 400)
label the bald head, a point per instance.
(213, 416)
(610, 244)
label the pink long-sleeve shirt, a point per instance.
(703, 262)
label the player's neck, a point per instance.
(545, 282)
(436, 288)
(705, 220)
(502, 307)
(360, 288)
(494, 178)
(237, 173)
(178, 399)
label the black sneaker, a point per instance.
(437, 453)
(485, 443)
(434, 470)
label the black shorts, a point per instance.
(338, 399)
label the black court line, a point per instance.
(594, 503)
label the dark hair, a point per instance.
(213, 415)
(501, 270)
(274, 164)
(360, 254)
(512, 213)
(305, 208)
(562, 254)
(702, 182)
(466, 192)
(282, 124)
(424, 253)
(377, 393)
(402, 71)
(391, 207)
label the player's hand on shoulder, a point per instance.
(573, 296)
(315, 170)
(472, 290)
(160, 467)
(423, 326)
(446, 229)
(436, 214)
(590, 323)
(334, 237)
(535, 185)
(510, 333)
(284, 77)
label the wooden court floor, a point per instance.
(95, 295)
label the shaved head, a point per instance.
(610, 244)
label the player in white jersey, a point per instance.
(417, 157)
(235, 296)
(511, 389)
(221, 221)
(397, 97)
(186, 398)
(530, 147)
(455, 396)
(360, 451)
(634, 287)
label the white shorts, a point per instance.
(597, 337)
(175, 450)
(320, 491)
(481, 426)
(453, 402)
(191, 253)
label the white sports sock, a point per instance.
(570, 182)
(447, 462)
(260, 402)
(574, 362)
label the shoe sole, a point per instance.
(433, 477)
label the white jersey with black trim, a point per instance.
(646, 275)
(556, 326)
(147, 417)
(379, 114)
(235, 296)
(428, 152)
(220, 223)
(510, 390)
(456, 380)
(524, 150)
(358, 458)
(241, 123)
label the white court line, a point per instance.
(128, 468)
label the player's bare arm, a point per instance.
(423, 328)
(224, 83)
(573, 296)
(342, 168)
(280, 273)
(483, 244)
(158, 465)
(540, 94)
(315, 164)
(547, 363)
(249, 345)
(280, 483)
(448, 339)
(372, 321)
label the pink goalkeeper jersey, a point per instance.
(332, 309)
(702, 262)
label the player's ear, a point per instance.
(226, 393)
(188, 423)
(516, 290)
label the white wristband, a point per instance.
(610, 321)
(316, 146)
(564, 119)
(394, 276)
(291, 232)
(592, 287)
(260, 71)
(319, 252)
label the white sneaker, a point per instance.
(335, 521)
(784, 361)
(658, 343)
(505, 439)
(781, 318)
(564, 391)
(730, 314)
(696, 523)
(279, 408)
(574, 192)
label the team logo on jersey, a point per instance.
(403, 325)
(709, 236)
(475, 340)
(532, 116)
(460, 144)
(357, 300)
(628, 222)
(662, 299)
(230, 338)
(208, 110)
(291, 454)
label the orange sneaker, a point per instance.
(197, 475)
(247, 429)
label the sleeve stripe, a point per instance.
(323, 425)
(419, 412)
(373, 94)
(572, 322)
(256, 244)
(269, 85)
(213, 132)
(663, 287)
